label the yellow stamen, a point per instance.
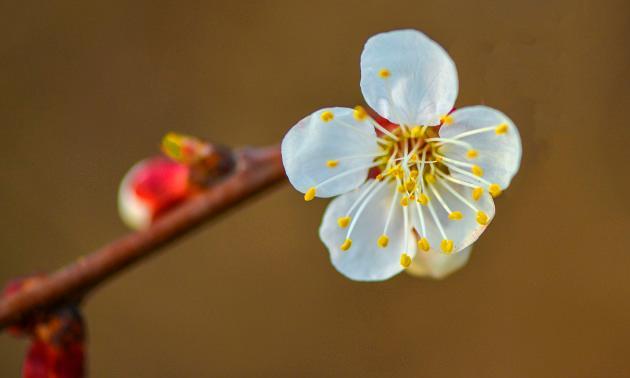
(310, 194)
(476, 170)
(495, 190)
(501, 129)
(446, 119)
(416, 131)
(410, 185)
(343, 221)
(482, 218)
(424, 245)
(404, 201)
(359, 113)
(413, 174)
(430, 178)
(455, 215)
(423, 199)
(447, 246)
(472, 153)
(476, 193)
(382, 241)
(332, 163)
(384, 73)
(401, 189)
(379, 177)
(405, 260)
(346, 245)
(327, 116)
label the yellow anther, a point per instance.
(359, 113)
(413, 174)
(430, 178)
(379, 177)
(438, 158)
(423, 199)
(455, 215)
(405, 260)
(447, 246)
(384, 73)
(401, 189)
(424, 245)
(346, 245)
(327, 116)
(501, 129)
(476, 193)
(382, 241)
(310, 194)
(416, 131)
(413, 157)
(412, 197)
(343, 222)
(332, 163)
(482, 218)
(495, 190)
(446, 119)
(476, 170)
(472, 153)
(410, 185)
(404, 201)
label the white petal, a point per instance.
(312, 142)
(422, 86)
(435, 264)
(462, 232)
(365, 260)
(499, 155)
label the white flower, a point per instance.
(439, 171)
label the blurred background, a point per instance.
(89, 88)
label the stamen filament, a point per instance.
(383, 130)
(345, 173)
(361, 208)
(362, 195)
(477, 131)
(422, 225)
(480, 179)
(456, 162)
(406, 229)
(453, 179)
(459, 196)
(391, 211)
(436, 219)
(439, 198)
(443, 141)
(356, 129)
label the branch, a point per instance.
(256, 169)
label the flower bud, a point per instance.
(151, 187)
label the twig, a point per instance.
(256, 169)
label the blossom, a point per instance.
(438, 169)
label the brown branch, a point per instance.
(256, 170)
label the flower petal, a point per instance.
(325, 138)
(365, 260)
(435, 264)
(463, 232)
(499, 150)
(408, 78)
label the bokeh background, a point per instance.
(88, 88)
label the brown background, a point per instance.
(88, 89)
